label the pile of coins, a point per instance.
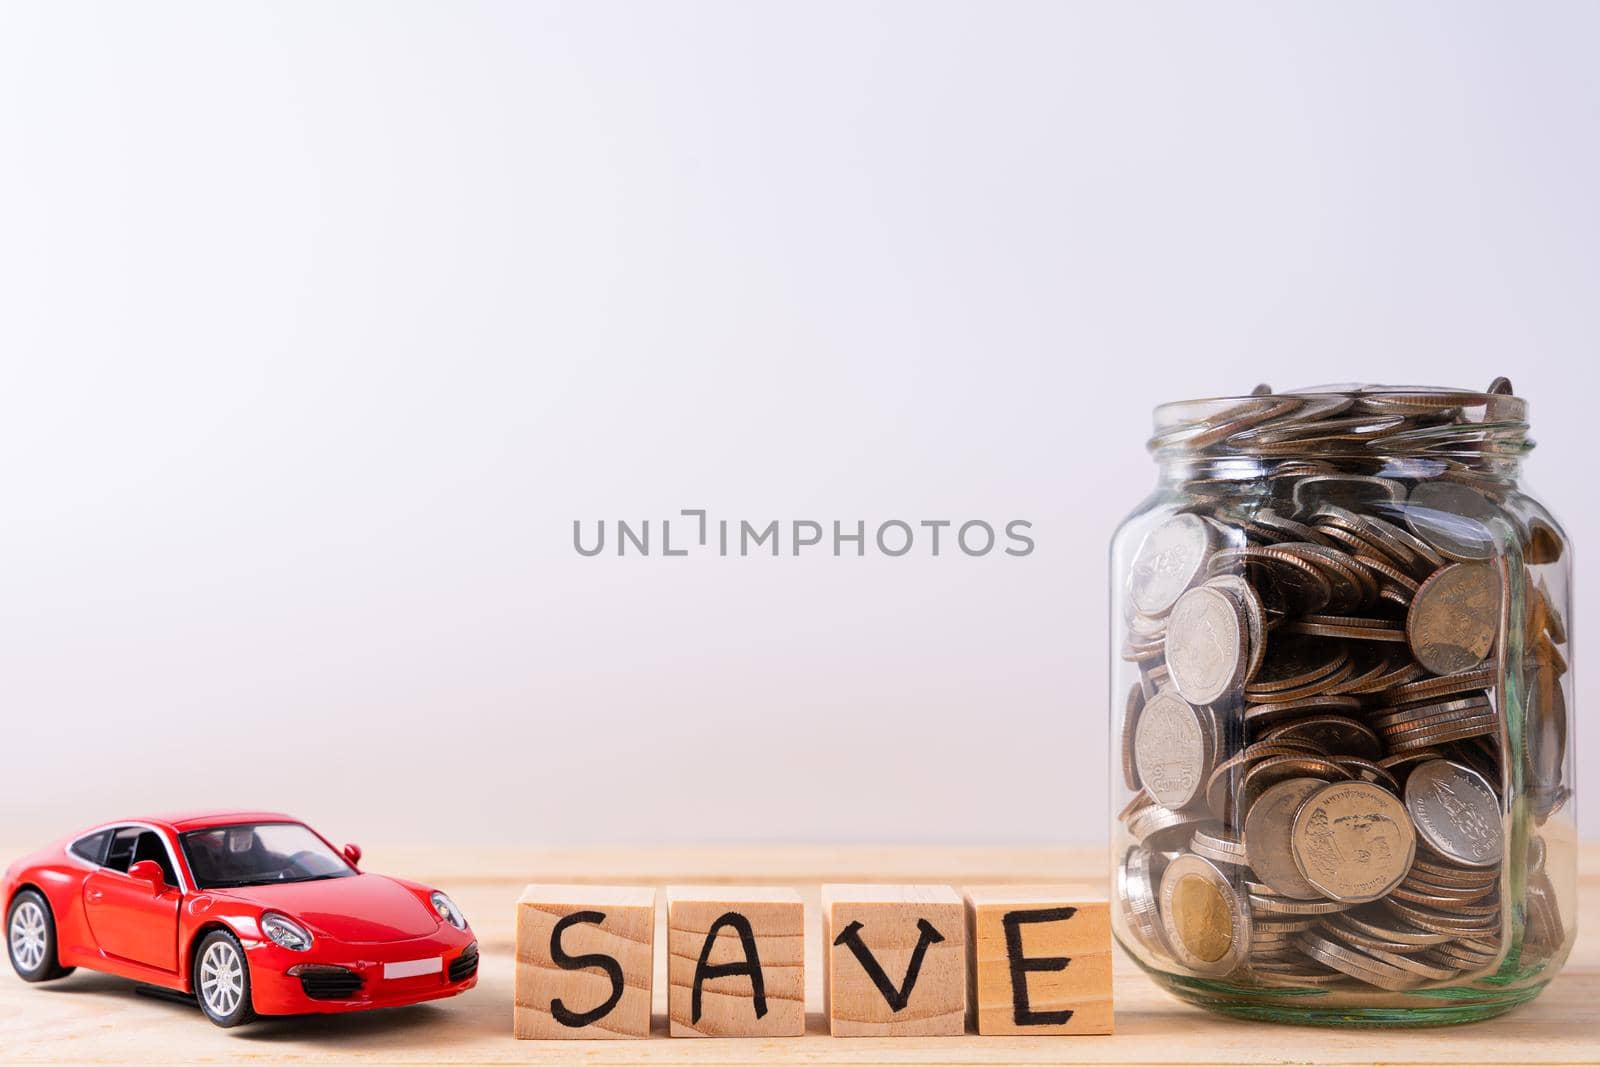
(1316, 742)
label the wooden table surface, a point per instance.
(90, 1018)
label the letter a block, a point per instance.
(1041, 960)
(735, 962)
(585, 958)
(896, 960)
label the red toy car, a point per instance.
(251, 913)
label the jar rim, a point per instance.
(1349, 420)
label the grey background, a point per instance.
(321, 324)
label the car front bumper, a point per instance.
(274, 991)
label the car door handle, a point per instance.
(95, 896)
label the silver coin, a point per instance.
(1269, 833)
(1354, 841)
(1356, 964)
(1172, 750)
(1456, 811)
(1255, 618)
(1171, 559)
(1137, 877)
(1346, 617)
(1206, 637)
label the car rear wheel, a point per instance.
(222, 979)
(31, 938)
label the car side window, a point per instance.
(149, 846)
(92, 847)
(119, 857)
(130, 844)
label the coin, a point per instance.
(1354, 586)
(1206, 638)
(1173, 748)
(1445, 685)
(1390, 574)
(1334, 703)
(1454, 617)
(1268, 833)
(1337, 644)
(1454, 519)
(1456, 811)
(1545, 543)
(1255, 617)
(1170, 560)
(1356, 964)
(1355, 629)
(1384, 927)
(1284, 578)
(1426, 714)
(1226, 778)
(1206, 921)
(1137, 877)
(1366, 770)
(1417, 965)
(1130, 721)
(1283, 528)
(1396, 669)
(1353, 841)
(1296, 663)
(1336, 734)
(1162, 829)
(1442, 870)
(1216, 849)
(1428, 739)
(1346, 490)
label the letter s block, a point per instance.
(896, 960)
(585, 957)
(735, 962)
(1041, 960)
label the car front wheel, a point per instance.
(222, 979)
(31, 938)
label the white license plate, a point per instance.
(412, 968)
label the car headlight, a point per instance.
(448, 911)
(284, 931)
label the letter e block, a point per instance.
(896, 960)
(735, 962)
(585, 958)
(1040, 960)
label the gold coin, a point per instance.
(1205, 919)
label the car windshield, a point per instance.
(263, 853)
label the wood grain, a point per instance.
(775, 920)
(90, 1018)
(915, 937)
(1066, 935)
(620, 922)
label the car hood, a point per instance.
(364, 907)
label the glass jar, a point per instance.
(1340, 689)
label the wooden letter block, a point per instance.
(1040, 960)
(735, 962)
(585, 957)
(896, 960)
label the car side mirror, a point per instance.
(353, 854)
(149, 871)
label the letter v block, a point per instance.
(735, 962)
(585, 959)
(896, 960)
(1040, 959)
